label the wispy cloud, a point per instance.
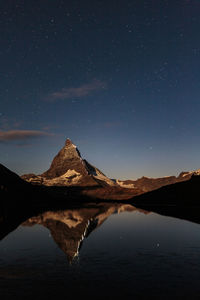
(77, 92)
(19, 135)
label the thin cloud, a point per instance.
(19, 135)
(77, 92)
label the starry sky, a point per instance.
(121, 79)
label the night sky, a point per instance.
(121, 79)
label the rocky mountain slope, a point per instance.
(147, 184)
(184, 193)
(68, 168)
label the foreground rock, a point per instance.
(13, 188)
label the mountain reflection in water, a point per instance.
(70, 227)
(136, 253)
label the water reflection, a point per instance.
(70, 227)
(133, 254)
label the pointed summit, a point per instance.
(68, 168)
(68, 142)
(68, 160)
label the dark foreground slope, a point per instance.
(179, 200)
(13, 189)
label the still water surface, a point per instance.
(112, 252)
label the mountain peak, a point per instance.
(68, 142)
(68, 168)
(68, 158)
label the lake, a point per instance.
(109, 251)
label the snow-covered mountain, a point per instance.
(68, 168)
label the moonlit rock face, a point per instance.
(68, 158)
(196, 172)
(68, 142)
(68, 168)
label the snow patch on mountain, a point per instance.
(195, 172)
(125, 185)
(71, 177)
